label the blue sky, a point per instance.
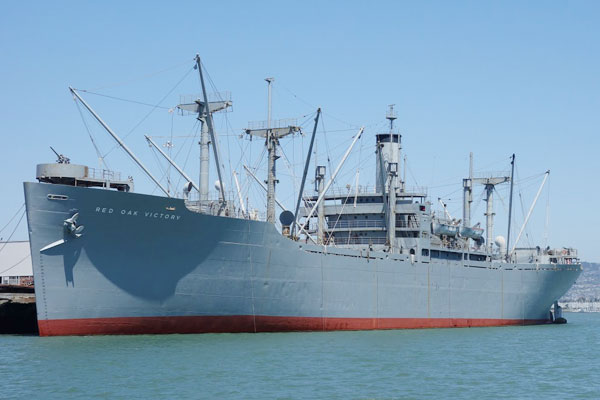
(489, 77)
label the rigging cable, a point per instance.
(13, 231)
(151, 111)
(217, 96)
(338, 219)
(353, 126)
(411, 174)
(189, 151)
(326, 146)
(12, 218)
(98, 152)
(17, 263)
(170, 149)
(125, 100)
(149, 75)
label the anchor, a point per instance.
(70, 225)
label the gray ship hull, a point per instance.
(146, 264)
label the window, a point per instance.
(446, 255)
(477, 257)
(425, 252)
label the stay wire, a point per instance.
(93, 140)
(12, 218)
(151, 111)
(13, 231)
(326, 146)
(313, 106)
(187, 157)
(125, 100)
(17, 263)
(146, 76)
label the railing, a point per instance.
(350, 191)
(361, 240)
(491, 174)
(356, 224)
(562, 252)
(104, 174)
(215, 96)
(279, 123)
(407, 224)
(414, 189)
(370, 224)
(565, 252)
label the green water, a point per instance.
(539, 362)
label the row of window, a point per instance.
(450, 255)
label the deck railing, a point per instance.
(355, 224)
(370, 224)
(104, 174)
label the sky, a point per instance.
(492, 78)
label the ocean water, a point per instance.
(531, 362)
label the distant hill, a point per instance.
(587, 287)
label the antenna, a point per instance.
(391, 116)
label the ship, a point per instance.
(107, 260)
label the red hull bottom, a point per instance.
(249, 323)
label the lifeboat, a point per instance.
(474, 232)
(441, 228)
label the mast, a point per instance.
(272, 150)
(119, 141)
(392, 174)
(489, 215)
(312, 141)
(391, 226)
(468, 194)
(272, 134)
(207, 115)
(203, 108)
(489, 183)
(404, 175)
(204, 144)
(204, 160)
(320, 181)
(512, 183)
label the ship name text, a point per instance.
(137, 213)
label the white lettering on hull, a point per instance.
(134, 213)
